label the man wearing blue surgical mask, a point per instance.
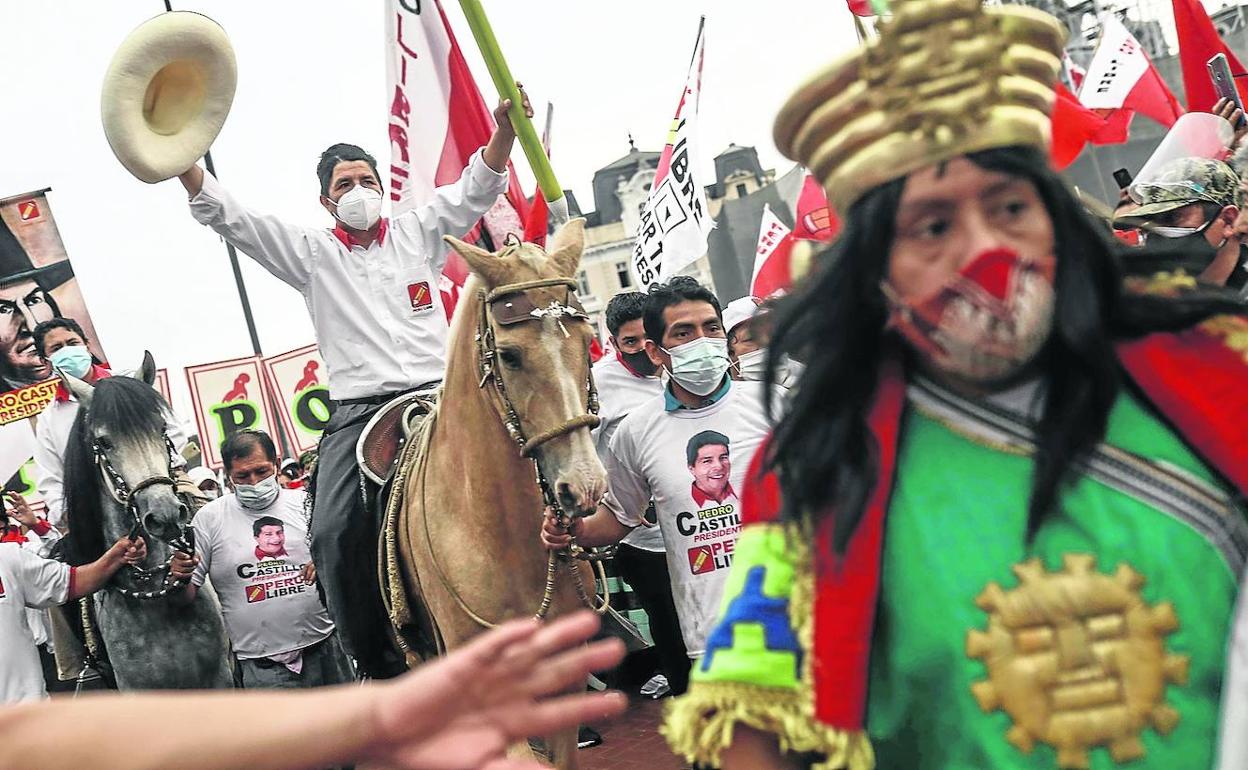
(660, 443)
(371, 286)
(62, 343)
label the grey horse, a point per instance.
(118, 481)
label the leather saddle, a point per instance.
(381, 443)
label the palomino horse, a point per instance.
(517, 390)
(119, 481)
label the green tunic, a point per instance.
(1113, 645)
(956, 523)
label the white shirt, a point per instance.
(52, 434)
(377, 311)
(26, 581)
(620, 391)
(267, 607)
(38, 621)
(699, 514)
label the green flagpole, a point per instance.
(500, 73)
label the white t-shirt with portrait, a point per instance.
(620, 391)
(698, 503)
(27, 580)
(253, 559)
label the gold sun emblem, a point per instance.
(1077, 659)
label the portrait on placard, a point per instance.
(37, 284)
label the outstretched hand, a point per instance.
(464, 710)
(21, 509)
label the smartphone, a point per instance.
(1223, 83)
(1123, 178)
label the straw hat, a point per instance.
(166, 94)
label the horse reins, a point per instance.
(121, 492)
(518, 311)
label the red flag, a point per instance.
(438, 119)
(815, 220)
(771, 258)
(861, 7)
(1121, 81)
(538, 221)
(1073, 126)
(1198, 43)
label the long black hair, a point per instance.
(822, 450)
(128, 409)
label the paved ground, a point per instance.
(632, 742)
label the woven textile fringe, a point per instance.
(699, 726)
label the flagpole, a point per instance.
(500, 73)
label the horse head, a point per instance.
(533, 344)
(119, 449)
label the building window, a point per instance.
(622, 272)
(742, 191)
(582, 281)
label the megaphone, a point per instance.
(167, 93)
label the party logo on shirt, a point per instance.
(1, 589)
(257, 593)
(710, 557)
(420, 295)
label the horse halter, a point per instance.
(121, 492)
(508, 305)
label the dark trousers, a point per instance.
(646, 572)
(344, 546)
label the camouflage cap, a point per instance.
(1183, 182)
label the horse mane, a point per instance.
(127, 408)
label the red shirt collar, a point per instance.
(349, 240)
(266, 555)
(701, 498)
(97, 371)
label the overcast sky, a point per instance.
(312, 73)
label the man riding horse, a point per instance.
(371, 287)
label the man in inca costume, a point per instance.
(995, 527)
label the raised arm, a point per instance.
(287, 251)
(456, 207)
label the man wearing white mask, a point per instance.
(747, 343)
(371, 288)
(252, 544)
(63, 343)
(205, 481)
(660, 443)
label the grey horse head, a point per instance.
(123, 419)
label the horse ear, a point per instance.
(147, 369)
(83, 391)
(483, 263)
(566, 246)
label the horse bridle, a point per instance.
(507, 305)
(515, 306)
(121, 492)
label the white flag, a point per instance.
(1117, 65)
(675, 222)
(770, 274)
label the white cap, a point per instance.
(739, 311)
(201, 474)
(289, 461)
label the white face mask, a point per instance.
(211, 494)
(700, 365)
(258, 496)
(359, 208)
(753, 365)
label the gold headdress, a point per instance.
(944, 78)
